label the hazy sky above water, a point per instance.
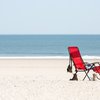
(50, 17)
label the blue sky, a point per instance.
(50, 17)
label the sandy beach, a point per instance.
(44, 79)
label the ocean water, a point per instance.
(48, 45)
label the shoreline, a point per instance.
(38, 62)
(47, 57)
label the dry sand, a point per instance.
(43, 79)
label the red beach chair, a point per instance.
(76, 59)
(96, 67)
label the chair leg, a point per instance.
(74, 77)
(87, 75)
(69, 68)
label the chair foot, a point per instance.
(74, 77)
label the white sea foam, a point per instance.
(35, 57)
(91, 57)
(46, 57)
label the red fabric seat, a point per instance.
(76, 58)
(96, 69)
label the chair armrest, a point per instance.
(91, 65)
(88, 64)
(96, 64)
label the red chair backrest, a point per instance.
(75, 56)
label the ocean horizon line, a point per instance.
(48, 34)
